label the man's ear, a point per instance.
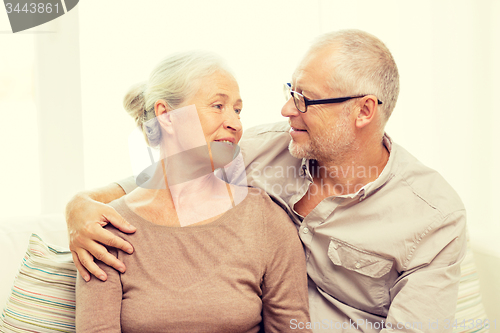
(366, 114)
(163, 116)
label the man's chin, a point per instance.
(298, 151)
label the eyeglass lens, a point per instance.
(298, 99)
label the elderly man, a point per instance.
(383, 234)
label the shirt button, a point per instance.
(305, 230)
(358, 265)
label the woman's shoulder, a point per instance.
(259, 198)
(274, 218)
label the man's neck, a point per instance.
(343, 177)
(350, 174)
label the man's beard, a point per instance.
(332, 146)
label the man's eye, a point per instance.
(218, 106)
(238, 111)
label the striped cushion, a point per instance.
(43, 294)
(470, 315)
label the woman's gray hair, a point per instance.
(363, 65)
(174, 80)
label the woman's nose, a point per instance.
(233, 123)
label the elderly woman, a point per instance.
(209, 256)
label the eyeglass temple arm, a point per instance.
(334, 100)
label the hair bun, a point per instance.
(134, 102)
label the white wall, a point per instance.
(59, 104)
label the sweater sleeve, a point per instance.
(285, 304)
(98, 303)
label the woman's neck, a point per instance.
(197, 201)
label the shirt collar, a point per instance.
(304, 168)
(386, 174)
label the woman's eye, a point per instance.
(218, 106)
(238, 111)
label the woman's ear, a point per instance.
(163, 116)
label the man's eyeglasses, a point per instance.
(302, 102)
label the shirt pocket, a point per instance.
(358, 277)
(357, 260)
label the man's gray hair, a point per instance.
(364, 65)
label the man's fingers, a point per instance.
(118, 221)
(107, 238)
(83, 272)
(86, 219)
(90, 249)
(100, 252)
(87, 261)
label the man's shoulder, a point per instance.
(266, 143)
(273, 129)
(427, 184)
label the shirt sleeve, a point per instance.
(285, 303)
(98, 303)
(128, 184)
(424, 298)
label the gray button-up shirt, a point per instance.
(384, 258)
(388, 253)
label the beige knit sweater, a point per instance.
(242, 271)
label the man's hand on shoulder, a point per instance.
(86, 216)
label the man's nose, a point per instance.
(289, 109)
